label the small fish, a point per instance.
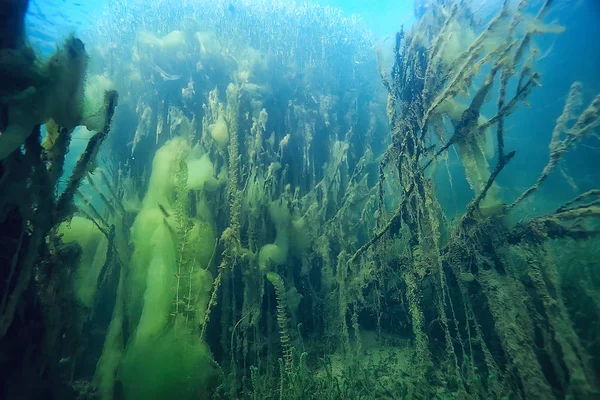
(165, 75)
(163, 210)
(231, 8)
(98, 332)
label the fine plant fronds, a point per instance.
(282, 319)
(565, 138)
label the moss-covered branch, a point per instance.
(86, 162)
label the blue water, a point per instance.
(571, 56)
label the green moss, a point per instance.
(276, 253)
(93, 245)
(175, 365)
(158, 294)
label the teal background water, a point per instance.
(571, 56)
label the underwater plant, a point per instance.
(269, 216)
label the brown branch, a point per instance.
(550, 227)
(64, 204)
(394, 220)
(502, 161)
(588, 120)
(511, 105)
(39, 224)
(583, 196)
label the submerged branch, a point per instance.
(84, 164)
(581, 197)
(393, 222)
(563, 138)
(552, 226)
(502, 161)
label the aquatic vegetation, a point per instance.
(267, 220)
